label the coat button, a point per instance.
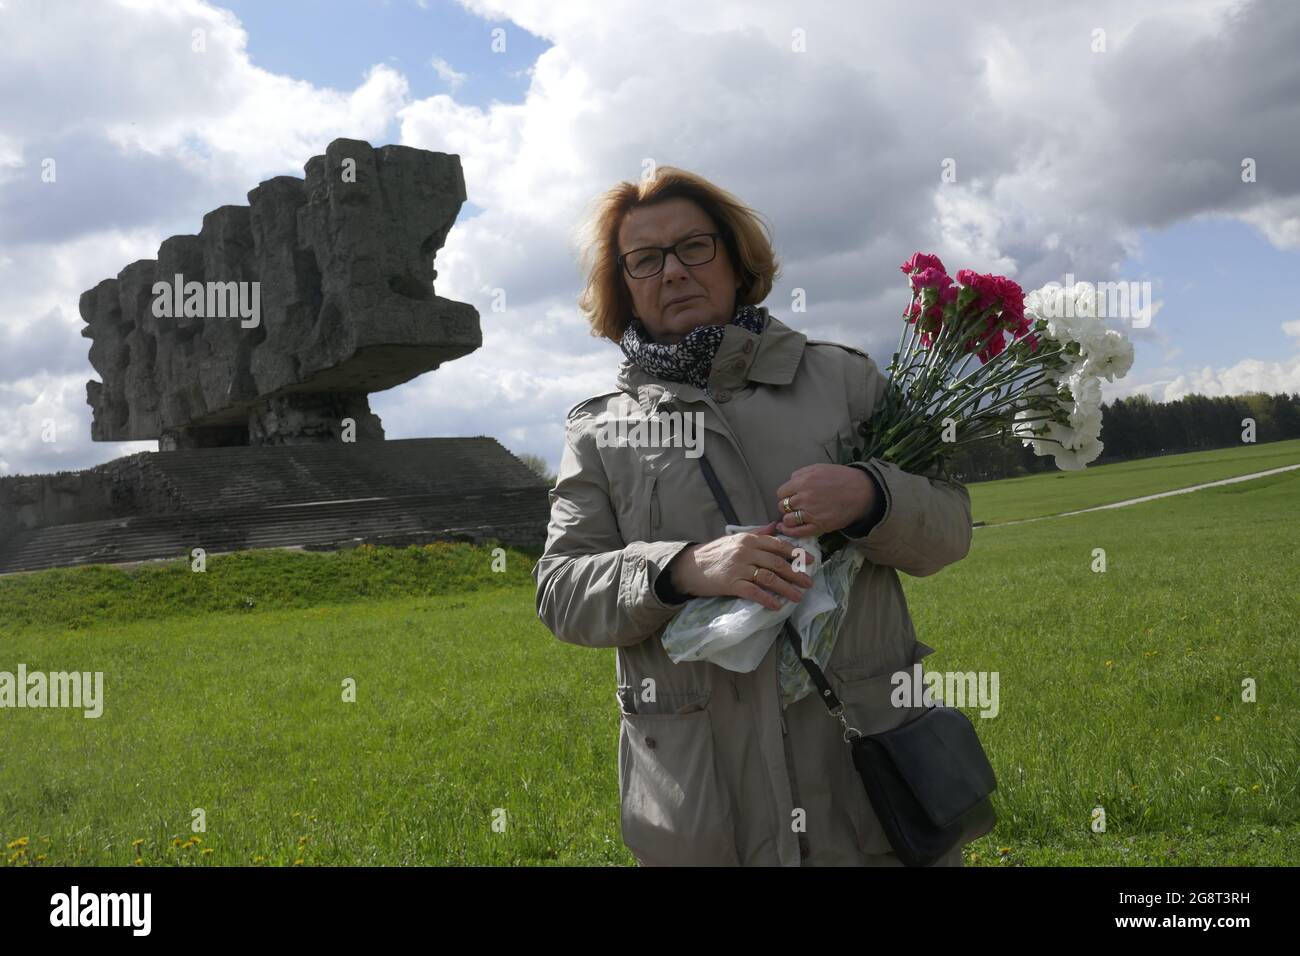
(748, 347)
(738, 364)
(650, 743)
(723, 396)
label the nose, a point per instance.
(678, 269)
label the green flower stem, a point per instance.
(920, 457)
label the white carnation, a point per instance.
(1085, 300)
(1076, 452)
(1085, 413)
(1110, 358)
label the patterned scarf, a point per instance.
(690, 359)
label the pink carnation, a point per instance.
(1013, 301)
(930, 277)
(922, 260)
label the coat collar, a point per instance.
(743, 356)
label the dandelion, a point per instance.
(298, 862)
(1108, 663)
(207, 851)
(15, 844)
(138, 861)
(1256, 787)
(136, 843)
(1217, 717)
(302, 841)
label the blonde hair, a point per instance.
(746, 235)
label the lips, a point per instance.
(682, 298)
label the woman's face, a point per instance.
(709, 289)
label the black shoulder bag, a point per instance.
(928, 780)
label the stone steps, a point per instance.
(224, 478)
(514, 517)
(314, 496)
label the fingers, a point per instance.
(766, 542)
(805, 530)
(755, 593)
(775, 579)
(775, 583)
(780, 566)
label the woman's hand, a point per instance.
(725, 566)
(828, 497)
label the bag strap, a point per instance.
(828, 697)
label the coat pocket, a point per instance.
(673, 811)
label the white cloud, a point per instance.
(1060, 165)
(1279, 220)
(148, 133)
(1250, 375)
(449, 75)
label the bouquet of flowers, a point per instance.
(977, 360)
(1041, 358)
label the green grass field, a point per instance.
(224, 691)
(1056, 492)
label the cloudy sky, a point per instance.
(1104, 140)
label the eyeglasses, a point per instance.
(691, 251)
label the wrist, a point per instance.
(679, 569)
(670, 585)
(874, 510)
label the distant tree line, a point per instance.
(1137, 427)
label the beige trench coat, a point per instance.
(711, 769)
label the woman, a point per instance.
(712, 769)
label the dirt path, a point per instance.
(1138, 501)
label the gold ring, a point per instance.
(754, 576)
(798, 516)
(785, 504)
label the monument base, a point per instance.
(315, 495)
